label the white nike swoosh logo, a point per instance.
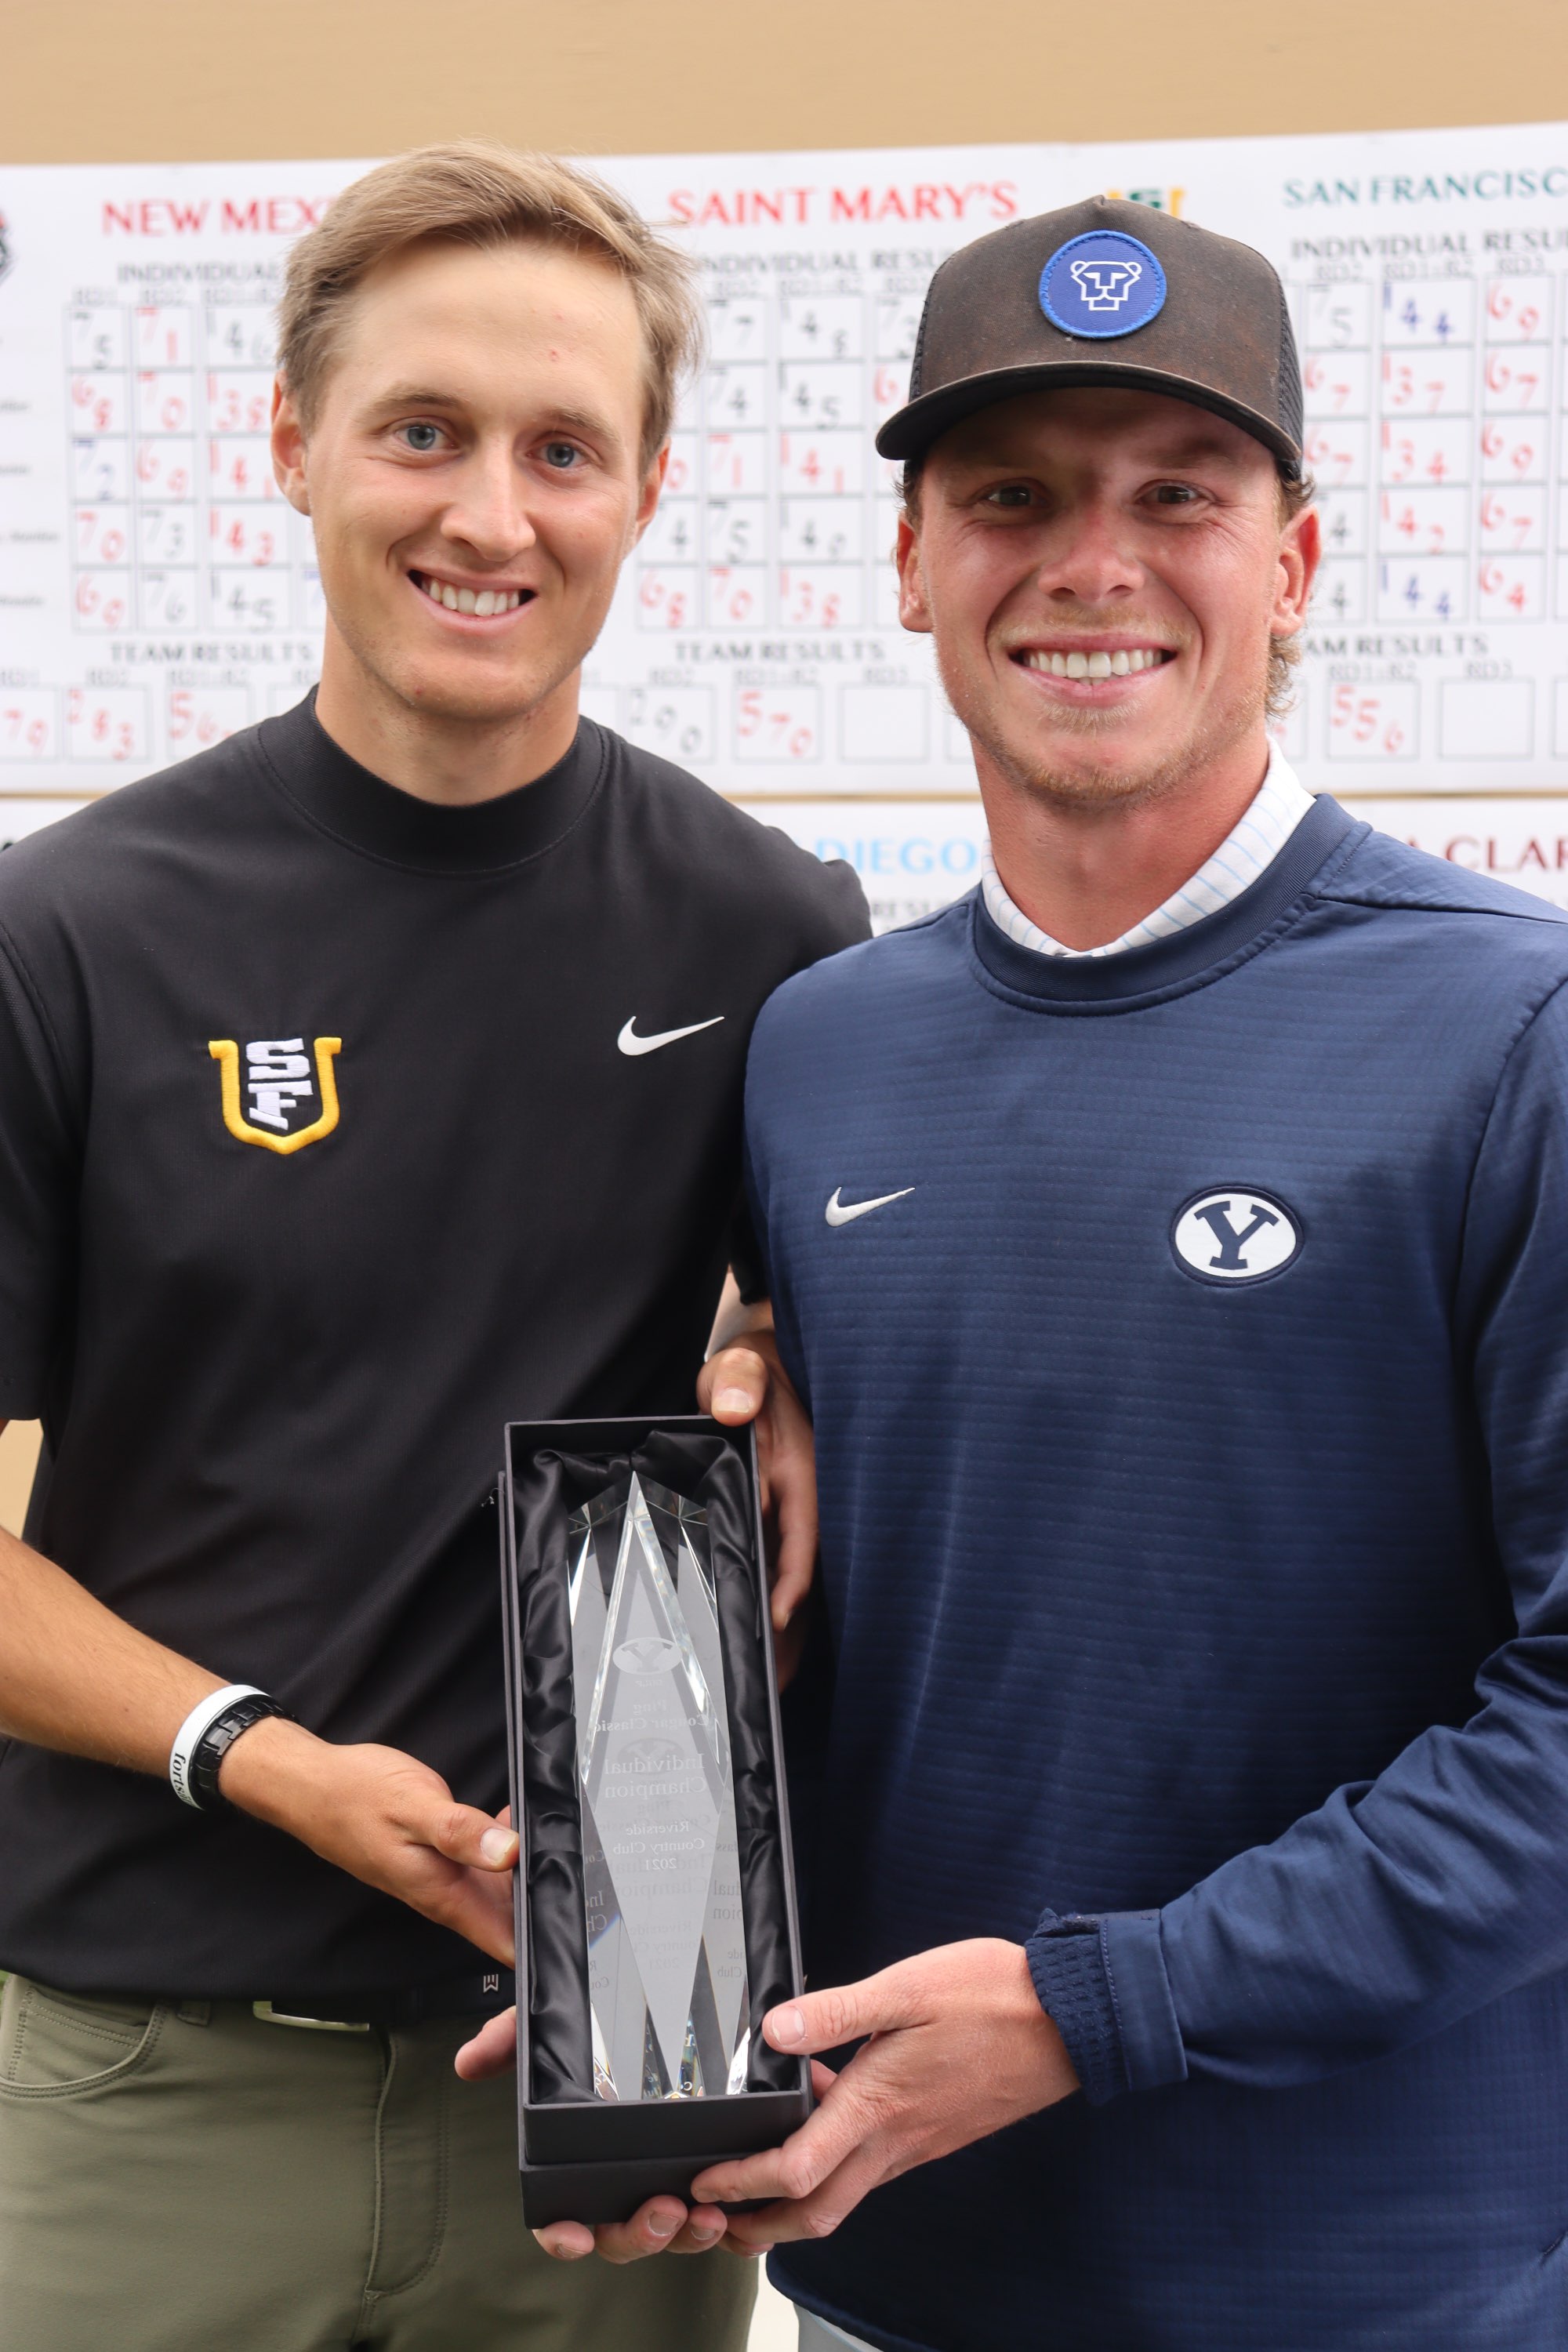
(630, 1042)
(841, 1214)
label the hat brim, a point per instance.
(909, 431)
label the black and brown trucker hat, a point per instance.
(1105, 292)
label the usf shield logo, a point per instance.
(277, 1101)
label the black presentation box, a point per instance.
(566, 1503)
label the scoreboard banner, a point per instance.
(156, 593)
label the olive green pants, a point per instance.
(189, 2178)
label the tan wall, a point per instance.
(161, 80)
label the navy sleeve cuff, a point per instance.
(1102, 1982)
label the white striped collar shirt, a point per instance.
(1272, 815)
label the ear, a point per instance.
(648, 496)
(915, 610)
(288, 449)
(1301, 551)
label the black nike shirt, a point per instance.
(336, 1129)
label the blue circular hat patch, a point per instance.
(1102, 284)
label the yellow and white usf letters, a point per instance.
(276, 1077)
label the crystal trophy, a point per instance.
(655, 1897)
(666, 1960)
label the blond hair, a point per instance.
(471, 191)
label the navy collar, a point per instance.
(1150, 970)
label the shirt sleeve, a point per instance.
(746, 1256)
(847, 915)
(39, 1169)
(836, 917)
(1406, 1902)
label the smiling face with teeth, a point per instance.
(474, 481)
(1102, 571)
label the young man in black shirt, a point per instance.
(368, 1081)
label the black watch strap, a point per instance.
(207, 1755)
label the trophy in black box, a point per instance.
(656, 1907)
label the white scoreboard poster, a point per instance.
(156, 594)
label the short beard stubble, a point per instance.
(1105, 784)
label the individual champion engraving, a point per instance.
(666, 1971)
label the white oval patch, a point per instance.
(1235, 1235)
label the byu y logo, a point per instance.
(280, 1110)
(1102, 284)
(1235, 1235)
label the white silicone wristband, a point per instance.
(193, 1728)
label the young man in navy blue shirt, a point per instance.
(1169, 1242)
